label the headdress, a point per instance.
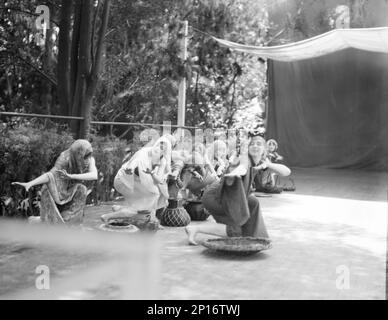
(258, 132)
(77, 152)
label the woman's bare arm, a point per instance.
(280, 169)
(159, 174)
(88, 176)
(209, 166)
(240, 170)
(240, 163)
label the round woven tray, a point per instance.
(244, 245)
(119, 227)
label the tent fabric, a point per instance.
(331, 111)
(368, 39)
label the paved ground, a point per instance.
(316, 240)
(309, 247)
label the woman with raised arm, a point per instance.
(142, 182)
(217, 153)
(229, 200)
(63, 196)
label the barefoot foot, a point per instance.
(34, 220)
(116, 207)
(105, 217)
(191, 233)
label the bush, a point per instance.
(27, 151)
(109, 153)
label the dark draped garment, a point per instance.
(235, 206)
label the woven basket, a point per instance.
(243, 245)
(118, 226)
(175, 217)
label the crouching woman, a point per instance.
(142, 182)
(63, 196)
(230, 200)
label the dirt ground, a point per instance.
(327, 244)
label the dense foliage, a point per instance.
(27, 64)
(141, 68)
(28, 149)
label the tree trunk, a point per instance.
(75, 49)
(47, 68)
(84, 62)
(87, 114)
(93, 79)
(63, 75)
(79, 67)
(75, 82)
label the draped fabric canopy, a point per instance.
(368, 39)
(331, 111)
(328, 98)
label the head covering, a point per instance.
(172, 139)
(259, 132)
(273, 141)
(220, 144)
(77, 152)
(167, 152)
(211, 150)
(200, 148)
(199, 156)
(142, 160)
(149, 137)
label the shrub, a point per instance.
(27, 151)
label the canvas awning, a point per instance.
(368, 39)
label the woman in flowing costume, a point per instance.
(229, 200)
(202, 172)
(142, 182)
(266, 181)
(63, 196)
(217, 153)
(201, 158)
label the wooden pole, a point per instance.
(182, 84)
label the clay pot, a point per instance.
(196, 210)
(159, 213)
(175, 203)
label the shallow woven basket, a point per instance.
(244, 245)
(118, 226)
